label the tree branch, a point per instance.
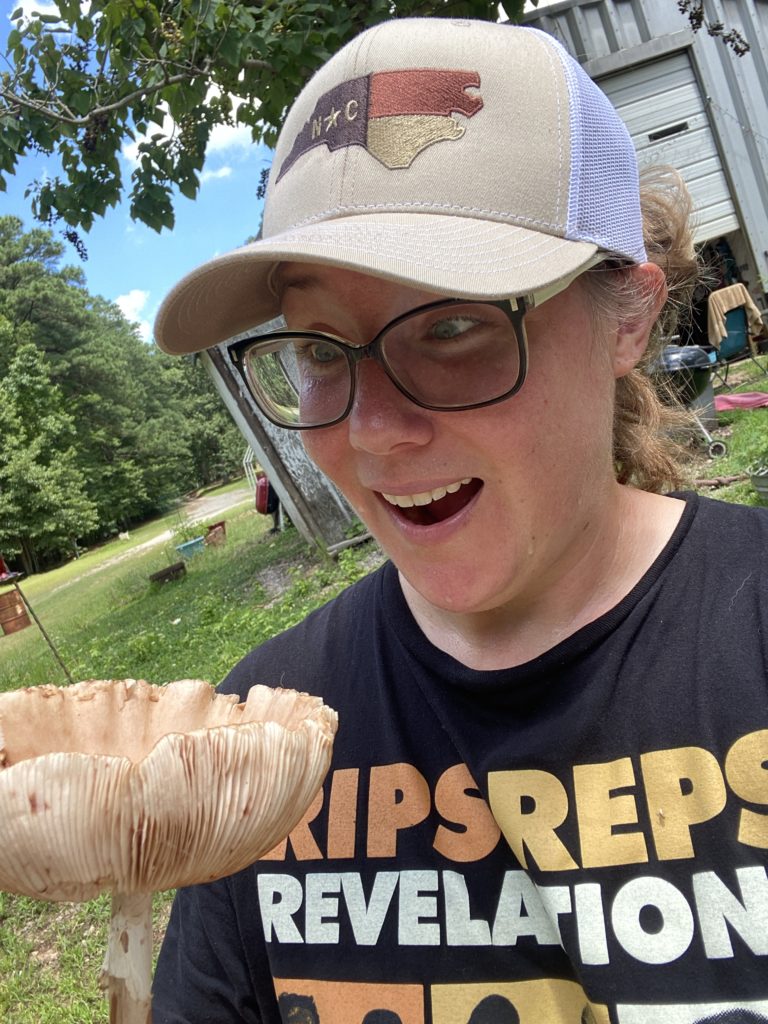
(65, 116)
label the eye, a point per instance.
(317, 352)
(321, 352)
(452, 327)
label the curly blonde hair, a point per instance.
(651, 429)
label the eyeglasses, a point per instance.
(450, 355)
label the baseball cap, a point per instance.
(466, 158)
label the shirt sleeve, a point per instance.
(203, 971)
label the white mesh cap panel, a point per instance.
(604, 206)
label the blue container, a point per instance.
(191, 548)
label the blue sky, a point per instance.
(129, 263)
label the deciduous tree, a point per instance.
(84, 81)
(99, 430)
(44, 507)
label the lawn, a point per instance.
(745, 432)
(108, 621)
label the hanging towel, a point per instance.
(725, 299)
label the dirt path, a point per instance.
(208, 507)
(195, 511)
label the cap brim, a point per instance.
(455, 256)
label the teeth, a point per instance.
(425, 497)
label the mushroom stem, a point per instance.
(127, 971)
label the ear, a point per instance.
(647, 284)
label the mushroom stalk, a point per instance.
(127, 971)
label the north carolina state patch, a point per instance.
(393, 114)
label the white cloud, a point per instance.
(132, 305)
(223, 172)
(28, 7)
(130, 150)
(224, 138)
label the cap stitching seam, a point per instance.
(559, 195)
(480, 240)
(327, 215)
(397, 257)
(573, 226)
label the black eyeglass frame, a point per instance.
(514, 309)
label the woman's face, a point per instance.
(504, 495)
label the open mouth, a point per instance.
(429, 507)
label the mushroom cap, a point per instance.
(123, 785)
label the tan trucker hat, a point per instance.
(467, 158)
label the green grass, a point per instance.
(101, 609)
(114, 623)
(233, 485)
(745, 433)
(51, 956)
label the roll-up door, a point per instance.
(662, 106)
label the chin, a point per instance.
(451, 588)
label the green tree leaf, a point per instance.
(80, 86)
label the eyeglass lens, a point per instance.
(447, 358)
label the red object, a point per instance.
(262, 495)
(4, 570)
(745, 400)
(216, 533)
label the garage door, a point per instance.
(662, 106)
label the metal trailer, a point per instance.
(689, 101)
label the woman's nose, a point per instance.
(382, 418)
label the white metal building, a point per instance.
(689, 101)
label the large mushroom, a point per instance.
(136, 788)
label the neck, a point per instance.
(590, 578)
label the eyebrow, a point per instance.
(285, 279)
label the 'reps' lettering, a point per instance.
(605, 815)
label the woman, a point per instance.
(547, 785)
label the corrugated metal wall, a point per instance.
(723, 98)
(661, 104)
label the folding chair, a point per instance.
(734, 346)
